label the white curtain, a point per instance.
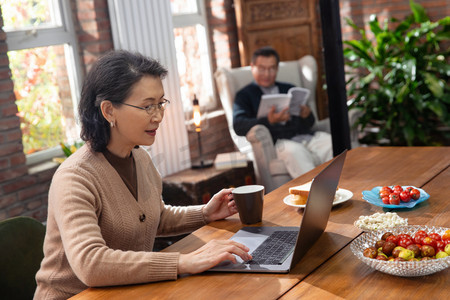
(146, 26)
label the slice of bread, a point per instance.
(299, 194)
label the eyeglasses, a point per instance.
(262, 70)
(151, 109)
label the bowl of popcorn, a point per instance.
(379, 221)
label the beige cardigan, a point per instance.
(96, 235)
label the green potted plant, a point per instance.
(399, 79)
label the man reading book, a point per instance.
(296, 143)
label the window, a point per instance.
(193, 53)
(45, 70)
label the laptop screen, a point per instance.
(318, 206)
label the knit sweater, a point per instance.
(99, 235)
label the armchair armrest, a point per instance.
(322, 125)
(271, 171)
(261, 141)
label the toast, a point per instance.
(299, 194)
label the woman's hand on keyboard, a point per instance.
(211, 254)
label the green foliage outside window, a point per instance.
(23, 14)
(34, 75)
(37, 99)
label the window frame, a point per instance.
(63, 34)
(193, 19)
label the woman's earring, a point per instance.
(112, 124)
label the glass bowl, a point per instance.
(399, 268)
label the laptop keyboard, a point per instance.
(275, 249)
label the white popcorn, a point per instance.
(380, 220)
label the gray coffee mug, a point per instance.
(249, 202)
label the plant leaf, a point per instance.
(402, 93)
(436, 107)
(374, 25)
(359, 49)
(434, 84)
(418, 12)
(444, 21)
(403, 26)
(443, 35)
(440, 66)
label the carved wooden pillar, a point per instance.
(292, 27)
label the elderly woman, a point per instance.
(105, 206)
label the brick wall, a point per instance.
(360, 10)
(93, 28)
(23, 190)
(12, 159)
(223, 33)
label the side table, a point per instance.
(197, 186)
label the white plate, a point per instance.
(342, 195)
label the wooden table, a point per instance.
(329, 269)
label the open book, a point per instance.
(295, 97)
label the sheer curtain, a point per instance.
(146, 26)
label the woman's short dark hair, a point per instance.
(266, 51)
(111, 78)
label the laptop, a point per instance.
(289, 244)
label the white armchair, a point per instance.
(258, 145)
